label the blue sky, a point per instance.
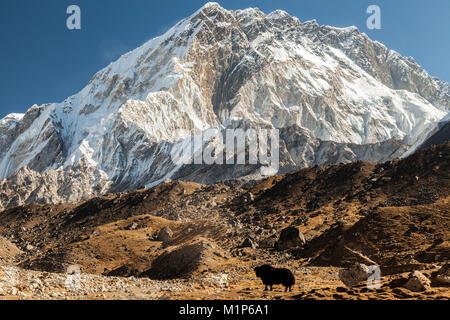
(42, 61)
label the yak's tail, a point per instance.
(292, 278)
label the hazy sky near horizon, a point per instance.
(41, 61)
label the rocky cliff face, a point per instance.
(335, 95)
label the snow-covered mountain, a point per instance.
(335, 95)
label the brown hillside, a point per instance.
(395, 214)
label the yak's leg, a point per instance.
(266, 289)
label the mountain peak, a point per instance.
(278, 14)
(210, 7)
(211, 4)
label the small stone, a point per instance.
(417, 282)
(165, 234)
(134, 226)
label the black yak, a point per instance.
(271, 276)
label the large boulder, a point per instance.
(290, 237)
(443, 275)
(417, 282)
(354, 275)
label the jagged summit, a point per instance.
(335, 95)
(210, 5)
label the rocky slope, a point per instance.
(203, 241)
(335, 95)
